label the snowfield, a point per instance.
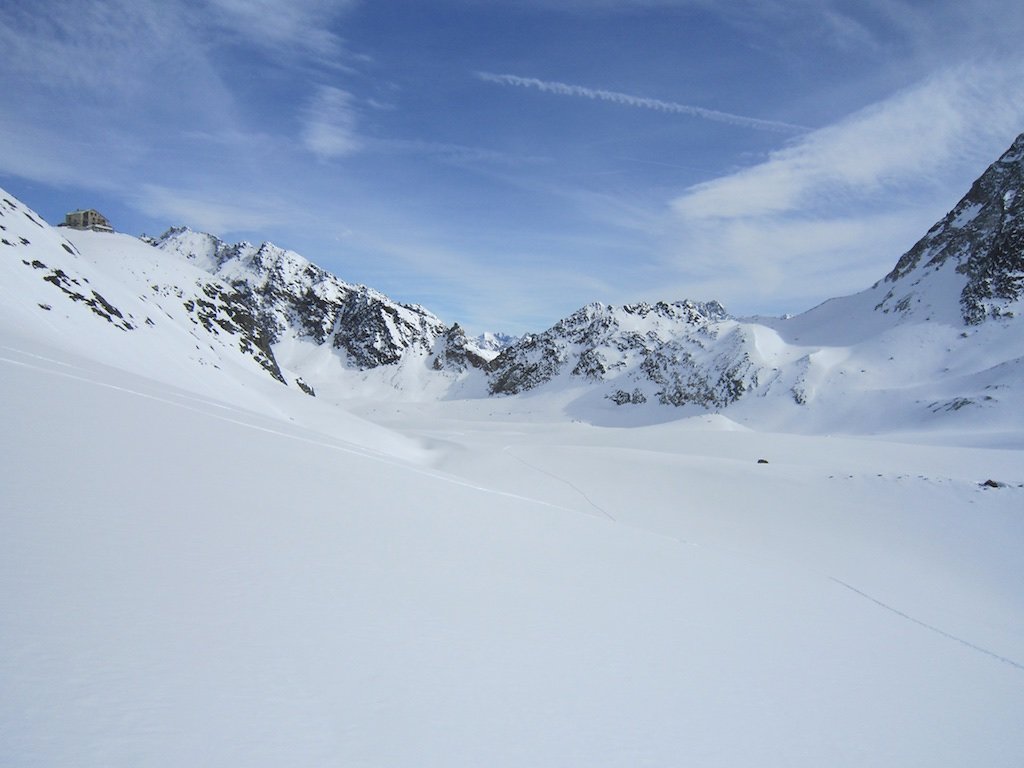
(201, 564)
(191, 582)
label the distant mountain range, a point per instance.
(939, 338)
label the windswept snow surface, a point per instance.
(188, 581)
(200, 565)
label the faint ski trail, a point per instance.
(325, 441)
(188, 404)
(929, 627)
(83, 374)
(553, 476)
(35, 356)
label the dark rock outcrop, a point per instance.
(982, 238)
(289, 295)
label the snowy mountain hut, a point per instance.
(88, 219)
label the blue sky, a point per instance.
(504, 162)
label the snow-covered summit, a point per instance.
(937, 341)
(671, 353)
(913, 347)
(491, 343)
(292, 297)
(977, 250)
(105, 295)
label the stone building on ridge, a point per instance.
(88, 219)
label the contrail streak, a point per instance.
(627, 100)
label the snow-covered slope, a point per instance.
(980, 241)
(938, 344)
(296, 299)
(113, 298)
(193, 308)
(200, 565)
(187, 582)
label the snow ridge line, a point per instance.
(185, 399)
(186, 403)
(929, 627)
(328, 442)
(553, 476)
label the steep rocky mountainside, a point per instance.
(982, 239)
(49, 281)
(939, 336)
(673, 353)
(291, 296)
(456, 352)
(968, 269)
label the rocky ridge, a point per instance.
(290, 295)
(936, 334)
(982, 239)
(205, 309)
(678, 353)
(968, 269)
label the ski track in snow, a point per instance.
(183, 402)
(876, 601)
(350, 448)
(35, 357)
(183, 397)
(927, 626)
(576, 488)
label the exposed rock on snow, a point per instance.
(211, 305)
(874, 347)
(669, 348)
(936, 340)
(292, 296)
(491, 344)
(456, 352)
(982, 238)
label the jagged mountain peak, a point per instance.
(981, 240)
(666, 351)
(243, 259)
(294, 298)
(596, 319)
(687, 310)
(493, 343)
(200, 248)
(917, 338)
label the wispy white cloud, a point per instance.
(906, 34)
(287, 26)
(458, 154)
(816, 213)
(483, 295)
(780, 265)
(111, 49)
(212, 212)
(330, 124)
(627, 100)
(954, 118)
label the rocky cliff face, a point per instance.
(684, 352)
(968, 268)
(982, 239)
(206, 308)
(456, 352)
(292, 296)
(940, 333)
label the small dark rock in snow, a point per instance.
(762, 461)
(993, 484)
